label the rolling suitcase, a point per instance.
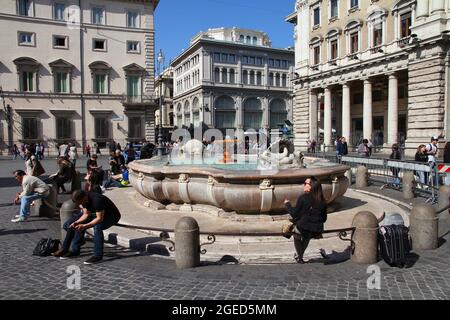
(394, 244)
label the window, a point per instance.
(135, 127)
(26, 39)
(277, 63)
(245, 77)
(354, 42)
(59, 10)
(101, 128)
(284, 80)
(241, 38)
(255, 41)
(224, 75)
(29, 128)
(354, 4)
(61, 82)
(245, 59)
(316, 51)
(333, 50)
(405, 24)
(316, 13)
(224, 57)
(232, 58)
(277, 80)
(100, 83)
(216, 56)
(284, 63)
(259, 61)
(27, 81)
(251, 60)
(133, 47)
(334, 8)
(132, 19)
(133, 86)
(23, 7)
(63, 128)
(271, 79)
(252, 77)
(217, 75)
(99, 45)
(377, 35)
(232, 76)
(98, 16)
(248, 40)
(60, 42)
(271, 62)
(258, 78)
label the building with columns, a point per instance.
(232, 78)
(375, 69)
(164, 91)
(77, 74)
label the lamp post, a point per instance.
(160, 63)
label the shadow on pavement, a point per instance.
(4, 232)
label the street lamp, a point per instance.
(160, 63)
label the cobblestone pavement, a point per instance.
(130, 275)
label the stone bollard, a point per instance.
(68, 208)
(47, 208)
(365, 238)
(362, 175)
(76, 182)
(408, 185)
(348, 174)
(423, 228)
(444, 194)
(187, 243)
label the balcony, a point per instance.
(403, 42)
(376, 49)
(138, 100)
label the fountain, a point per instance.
(244, 184)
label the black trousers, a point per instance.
(301, 242)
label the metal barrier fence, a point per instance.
(389, 173)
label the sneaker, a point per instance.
(68, 255)
(93, 259)
(19, 219)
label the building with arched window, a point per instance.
(242, 81)
(372, 70)
(62, 85)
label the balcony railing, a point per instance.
(139, 99)
(403, 42)
(376, 49)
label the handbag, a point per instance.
(287, 229)
(46, 246)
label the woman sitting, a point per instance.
(309, 215)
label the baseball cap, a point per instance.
(433, 138)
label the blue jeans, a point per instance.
(25, 202)
(73, 238)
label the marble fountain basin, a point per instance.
(241, 188)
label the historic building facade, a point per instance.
(375, 69)
(164, 91)
(84, 75)
(232, 78)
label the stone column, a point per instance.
(313, 115)
(265, 111)
(422, 9)
(437, 6)
(239, 113)
(327, 125)
(367, 110)
(346, 117)
(393, 110)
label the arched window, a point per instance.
(245, 77)
(352, 32)
(252, 77)
(196, 112)
(252, 114)
(278, 113)
(179, 121)
(259, 78)
(187, 114)
(248, 40)
(217, 75)
(241, 38)
(224, 75)
(284, 81)
(232, 76)
(271, 79)
(377, 24)
(277, 80)
(255, 41)
(225, 113)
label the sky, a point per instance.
(177, 21)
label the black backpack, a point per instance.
(46, 246)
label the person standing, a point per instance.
(73, 156)
(98, 212)
(309, 214)
(30, 163)
(63, 149)
(395, 155)
(421, 156)
(33, 189)
(363, 149)
(88, 151)
(432, 153)
(15, 151)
